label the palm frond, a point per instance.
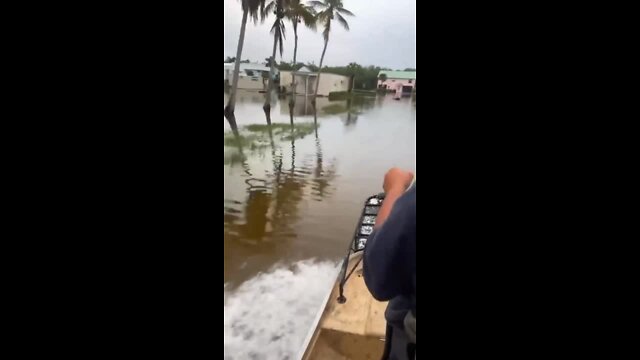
(342, 21)
(318, 4)
(322, 16)
(251, 5)
(310, 9)
(308, 17)
(275, 27)
(258, 13)
(255, 9)
(266, 10)
(282, 30)
(278, 31)
(345, 11)
(281, 40)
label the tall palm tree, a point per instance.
(278, 8)
(297, 12)
(327, 11)
(249, 8)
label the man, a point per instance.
(390, 263)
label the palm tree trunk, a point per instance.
(295, 43)
(231, 105)
(315, 93)
(267, 98)
(292, 101)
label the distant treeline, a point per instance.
(229, 60)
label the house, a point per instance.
(393, 80)
(305, 81)
(252, 76)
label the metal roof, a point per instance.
(398, 74)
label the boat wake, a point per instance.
(269, 316)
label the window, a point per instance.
(410, 81)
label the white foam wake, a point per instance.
(269, 316)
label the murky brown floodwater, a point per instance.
(289, 198)
(295, 194)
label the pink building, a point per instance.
(395, 80)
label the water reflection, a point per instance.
(286, 198)
(250, 105)
(322, 176)
(265, 219)
(352, 115)
(349, 109)
(302, 106)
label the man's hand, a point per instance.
(397, 179)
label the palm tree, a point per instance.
(249, 8)
(278, 35)
(382, 78)
(298, 12)
(329, 9)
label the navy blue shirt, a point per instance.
(390, 259)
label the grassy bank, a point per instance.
(345, 95)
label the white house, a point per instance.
(305, 81)
(252, 76)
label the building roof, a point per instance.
(302, 70)
(398, 74)
(305, 71)
(257, 67)
(251, 66)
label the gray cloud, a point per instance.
(381, 33)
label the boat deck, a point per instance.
(354, 330)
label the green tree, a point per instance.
(382, 77)
(267, 62)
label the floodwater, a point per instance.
(292, 197)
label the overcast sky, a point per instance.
(382, 33)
